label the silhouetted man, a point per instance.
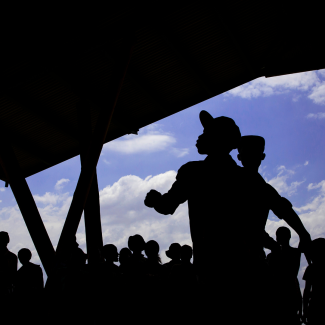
(8, 266)
(124, 260)
(174, 253)
(184, 272)
(314, 293)
(110, 254)
(221, 196)
(284, 266)
(137, 245)
(29, 279)
(251, 154)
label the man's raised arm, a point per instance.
(284, 210)
(169, 202)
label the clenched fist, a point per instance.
(152, 198)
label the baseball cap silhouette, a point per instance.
(221, 125)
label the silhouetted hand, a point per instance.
(152, 198)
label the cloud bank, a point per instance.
(310, 82)
(151, 139)
(123, 213)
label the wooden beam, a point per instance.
(26, 204)
(183, 54)
(43, 113)
(236, 42)
(144, 86)
(93, 227)
(88, 170)
(80, 87)
(22, 142)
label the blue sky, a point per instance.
(288, 111)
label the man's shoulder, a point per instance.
(190, 168)
(192, 164)
(12, 256)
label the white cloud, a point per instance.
(2, 189)
(305, 81)
(322, 72)
(306, 163)
(0, 201)
(61, 183)
(317, 116)
(123, 204)
(150, 139)
(313, 186)
(180, 152)
(149, 142)
(123, 213)
(279, 182)
(318, 94)
(50, 198)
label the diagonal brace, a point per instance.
(89, 167)
(26, 203)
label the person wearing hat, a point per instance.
(224, 203)
(174, 253)
(251, 154)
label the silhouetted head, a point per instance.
(283, 235)
(136, 244)
(152, 251)
(125, 254)
(24, 255)
(220, 135)
(186, 253)
(174, 251)
(110, 253)
(4, 239)
(78, 257)
(251, 151)
(318, 251)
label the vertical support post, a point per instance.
(26, 203)
(93, 227)
(88, 169)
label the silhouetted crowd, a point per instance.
(141, 286)
(231, 279)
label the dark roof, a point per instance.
(53, 58)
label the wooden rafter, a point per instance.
(92, 155)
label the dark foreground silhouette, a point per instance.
(230, 280)
(228, 208)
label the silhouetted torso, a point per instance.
(136, 265)
(170, 265)
(8, 269)
(315, 275)
(284, 267)
(221, 195)
(29, 279)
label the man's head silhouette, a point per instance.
(174, 251)
(220, 135)
(283, 235)
(136, 244)
(186, 253)
(110, 253)
(251, 151)
(152, 251)
(125, 255)
(4, 239)
(24, 256)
